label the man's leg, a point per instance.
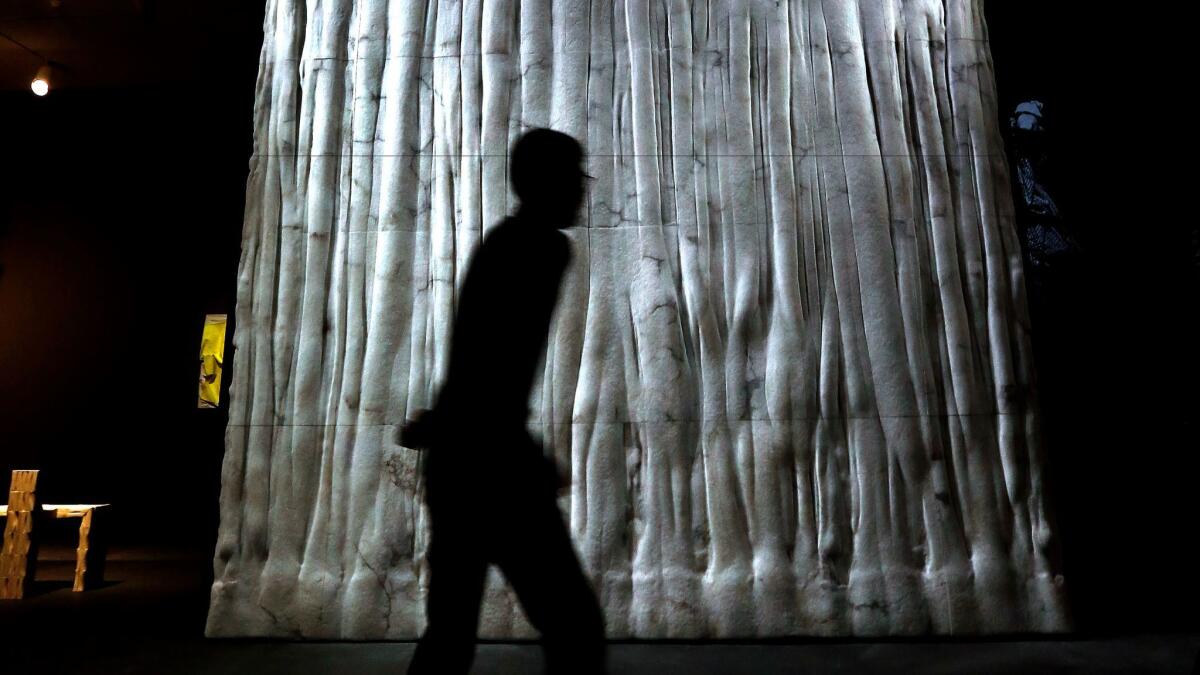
(540, 563)
(457, 570)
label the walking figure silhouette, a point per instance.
(489, 487)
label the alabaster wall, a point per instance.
(789, 371)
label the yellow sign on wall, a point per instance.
(212, 356)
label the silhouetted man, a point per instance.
(490, 489)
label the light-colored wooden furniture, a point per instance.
(20, 540)
(19, 552)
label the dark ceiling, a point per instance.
(106, 43)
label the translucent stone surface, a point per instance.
(789, 371)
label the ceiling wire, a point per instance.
(22, 45)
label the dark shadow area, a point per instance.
(120, 221)
(41, 587)
(1114, 330)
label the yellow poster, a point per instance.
(212, 356)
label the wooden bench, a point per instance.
(19, 553)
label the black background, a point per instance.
(120, 220)
(120, 226)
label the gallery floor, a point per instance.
(149, 615)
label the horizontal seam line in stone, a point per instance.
(620, 49)
(709, 156)
(624, 226)
(677, 421)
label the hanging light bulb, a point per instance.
(41, 81)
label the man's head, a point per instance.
(546, 169)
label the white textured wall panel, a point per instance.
(789, 370)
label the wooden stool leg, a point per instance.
(90, 556)
(18, 556)
(85, 527)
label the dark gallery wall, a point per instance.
(120, 219)
(1114, 333)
